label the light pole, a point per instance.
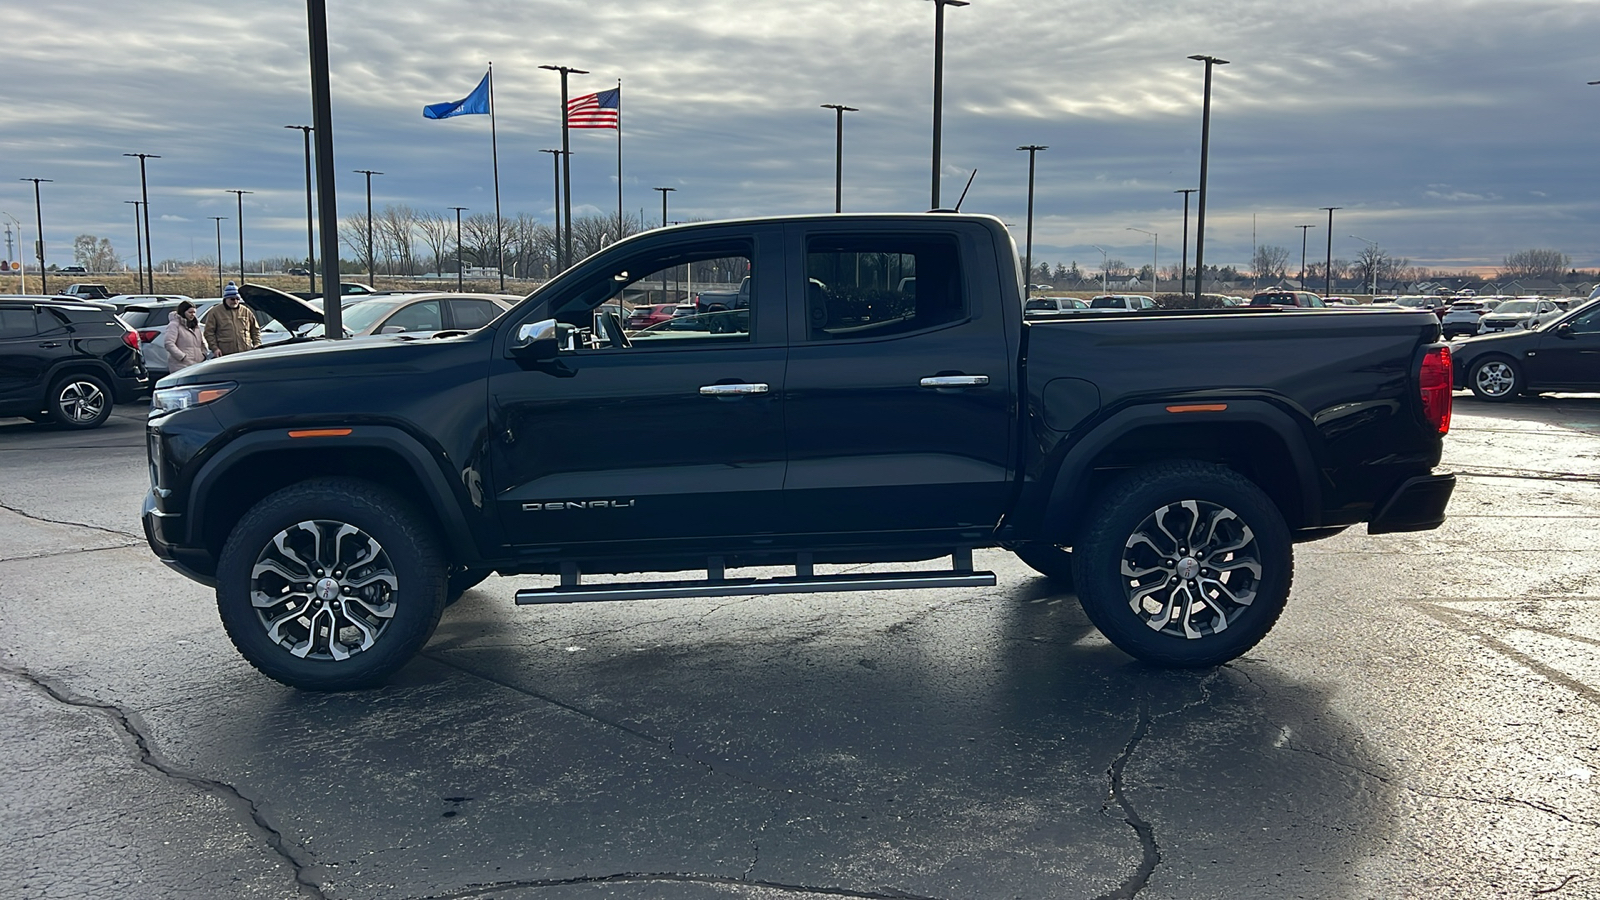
(138, 247)
(240, 194)
(1327, 267)
(1155, 249)
(1303, 229)
(664, 191)
(144, 197)
(370, 268)
(1183, 264)
(1205, 152)
(1105, 263)
(20, 241)
(38, 223)
(311, 245)
(938, 88)
(566, 156)
(838, 152)
(1373, 263)
(1027, 274)
(459, 275)
(555, 165)
(218, 220)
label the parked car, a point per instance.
(123, 301)
(1562, 354)
(85, 291)
(1439, 304)
(1516, 313)
(73, 270)
(1462, 317)
(151, 320)
(645, 316)
(1144, 460)
(1122, 301)
(66, 362)
(298, 272)
(1052, 306)
(1288, 300)
(403, 313)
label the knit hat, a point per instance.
(230, 291)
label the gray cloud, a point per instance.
(1451, 132)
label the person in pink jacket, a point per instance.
(184, 341)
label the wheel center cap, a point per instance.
(1188, 567)
(328, 589)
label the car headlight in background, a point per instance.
(170, 400)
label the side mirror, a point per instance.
(1564, 330)
(540, 341)
(391, 329)
(305, 329)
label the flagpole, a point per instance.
(620, 228)
(494, 151)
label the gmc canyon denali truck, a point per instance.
(339, 494)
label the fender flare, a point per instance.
(1071, 487)
(441, 501)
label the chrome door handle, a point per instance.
(725, 390)
(954, 381)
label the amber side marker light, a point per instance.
(1198, 407)
(207, 396)
(320, 432)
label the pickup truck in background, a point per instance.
(1163, 462)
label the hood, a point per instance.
(289, 310)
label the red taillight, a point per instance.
(1434, 381)
(131, 338)
(148, 336)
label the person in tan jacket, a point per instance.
(230, 325)
(184, 342)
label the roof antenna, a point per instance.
(965, 189)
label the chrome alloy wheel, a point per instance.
(1495, 378)
(323, 590)
(81, 400)
(1192, 568)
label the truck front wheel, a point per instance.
(331, 584)
(1184, 564)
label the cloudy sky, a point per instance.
(1452, 132)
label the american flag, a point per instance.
(601, 110)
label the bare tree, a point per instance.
(478, 240)
(353, 234)
(1271, 262)
(1551, 264)
(396, 227)
(94, 253)
(439, 234)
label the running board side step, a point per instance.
(803, 582)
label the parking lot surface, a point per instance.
(1423, 722)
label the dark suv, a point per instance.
(66, 361)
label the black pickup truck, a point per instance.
(339, 494)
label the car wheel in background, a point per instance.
(331, 584)
(1495, 378)
(1185, 564)
(1048, 560)
(80, 401)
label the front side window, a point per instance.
(868, 287)
(682, 296)
(422, 316)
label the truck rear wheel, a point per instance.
(1184, 564)
(331, 584)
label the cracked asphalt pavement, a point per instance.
(1421, 723)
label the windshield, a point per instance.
(356, 317)
(1517, 306)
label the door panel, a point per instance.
(871, 448)
(617, 441)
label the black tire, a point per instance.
(463, 580)
(1195, 547)
(367, 620)
(1495, 378)
(1048, 560)
(79, 400)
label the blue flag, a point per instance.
(475, 103)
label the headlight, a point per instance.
(170, 400)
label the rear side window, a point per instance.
(882, 285)
(17, 322)
(473, 313)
